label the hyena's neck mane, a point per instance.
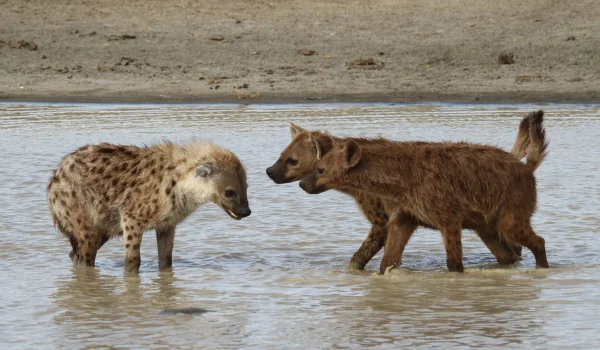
(382, 171)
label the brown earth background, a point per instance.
(303, 50)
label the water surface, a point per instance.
(278, 279)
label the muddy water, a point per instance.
(277, 279)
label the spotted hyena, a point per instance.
(448, 186)
(301, 156)
(103, 191)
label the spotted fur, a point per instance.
(103, 191)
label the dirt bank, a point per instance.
(291, 51)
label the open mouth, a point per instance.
(233, 215)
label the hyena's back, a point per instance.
(90, 185)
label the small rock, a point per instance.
(381, 53)
(571, 38)
(45, 67)
(43, 56)
(217, 38)
(184, 311)
(115, 37)
(574, 79)
(237, 21)
(217, 87)
(62, 70)
(506, 58)
(307, 52)
(22, 44)
(245, 86)
(365, 63)
(269, 71)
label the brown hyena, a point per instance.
(103, 191)
(448, 186)
(300, 158)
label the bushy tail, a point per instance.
(536, 152)
(531, 140)
(519, 149)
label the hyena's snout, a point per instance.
(245, 210)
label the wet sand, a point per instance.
(294, 51)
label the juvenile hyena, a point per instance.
(448, 186)
(301, 156)
(103, 191)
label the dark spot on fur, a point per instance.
(127, 245)
(136, 246)
(73, 194)
(94, 160)
(106, 150)
(168, 191)
(171, 167)
(83, 148)
(115, 182)
(129, 237)
(105, 160)
(63, 203)
(134, 171)
(72, 166)
(153, 171)
(173, 183)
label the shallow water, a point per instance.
(277, 279)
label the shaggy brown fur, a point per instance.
(102, 191)
(301, 156)
(448, 186)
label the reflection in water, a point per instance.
(278, 280)
(483, 307)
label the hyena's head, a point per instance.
(301, 156)
(221, 178)
(330, 170)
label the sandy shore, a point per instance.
(303, 50)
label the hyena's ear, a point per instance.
(295, 130)
(352, 153)
(205, 168)
(314, 144)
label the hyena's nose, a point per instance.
(270, 171)
(302, 184)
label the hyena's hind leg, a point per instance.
(502, 250)
(519, 229)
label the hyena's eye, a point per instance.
(292, 161)
(229, 193)
(320, 170)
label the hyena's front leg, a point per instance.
(375, 211)
(132, 239)
(165, 237)
(400, 229)
(371, 246)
